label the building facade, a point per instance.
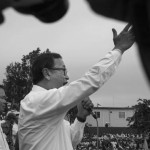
(110, 116)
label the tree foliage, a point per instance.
(141, 118)
(18, 80)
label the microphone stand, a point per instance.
(97, 133)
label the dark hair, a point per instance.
(44, 60)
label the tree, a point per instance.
(141, 118)
(18, 80)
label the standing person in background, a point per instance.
(9, 127)
(14, 115)
(42, 111)
(3, 142)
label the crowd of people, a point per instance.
(9, 128)
(9, 125)
(113, 142)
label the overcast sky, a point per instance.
(82, 38)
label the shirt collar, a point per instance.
(38, 88)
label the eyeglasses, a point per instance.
(63, 69)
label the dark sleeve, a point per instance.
(17, 142)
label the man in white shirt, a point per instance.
(42, 111)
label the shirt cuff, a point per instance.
(79, 124)
(81, 119)
(118, 50)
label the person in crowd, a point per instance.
(42, 111)
(4, 108)
(14, 124)
(3, 142)
(10, 129)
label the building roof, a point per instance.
(122, 108)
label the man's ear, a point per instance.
(46, 73)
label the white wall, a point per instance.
(112, 118)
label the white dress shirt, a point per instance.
(41, 120)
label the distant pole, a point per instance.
(97, 128)
(97, 134)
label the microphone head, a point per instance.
(94, 115)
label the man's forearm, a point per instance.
(77, 129)
(92, 80)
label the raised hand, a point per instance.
(125, 39)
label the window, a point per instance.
(121, 114)
(98, 114)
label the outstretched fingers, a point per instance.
(114, 33)
(132, 33)
(131, 29)
(126, 27)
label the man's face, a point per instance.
(59, 76)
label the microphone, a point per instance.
(90, 110)
(92, 113)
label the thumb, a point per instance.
(114, 33)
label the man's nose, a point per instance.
(66, 77)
